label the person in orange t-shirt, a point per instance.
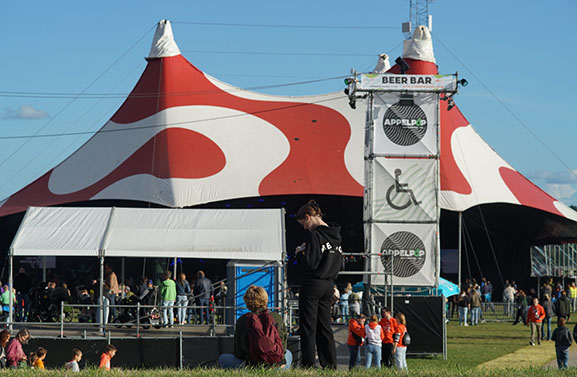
(105, 358)
(355, 339)
(389, 325)
(535, 316)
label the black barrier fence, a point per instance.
(179, 352)
(425, 322)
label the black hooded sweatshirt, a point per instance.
(322, 258)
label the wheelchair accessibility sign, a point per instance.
(404, 190)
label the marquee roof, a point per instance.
(143, 232)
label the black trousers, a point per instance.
(315, 298)
(387, 355)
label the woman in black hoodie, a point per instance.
(320, 259)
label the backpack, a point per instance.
(406, 339)
(264, 343)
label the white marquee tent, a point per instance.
(255, 234)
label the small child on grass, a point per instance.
(37, 358)
(72, 365)
(105, 358)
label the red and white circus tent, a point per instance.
(184, 138)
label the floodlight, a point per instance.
(403, 65)
(463, 82)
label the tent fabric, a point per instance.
(255, 234)
(420, 46)
(183, 138)
(61, 231)
(164, 44)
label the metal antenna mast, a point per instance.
(418, 15)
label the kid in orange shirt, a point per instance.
(105, 358)
(37, 358)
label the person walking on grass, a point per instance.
(549, 313)
(475, 300)
(521, 303)
(15, 356)
(535, 316)
(563, 340)
(72, 365)
(464, 303)
(106, 357)
(563, 306)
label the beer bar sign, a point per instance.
(416, 83)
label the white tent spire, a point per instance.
(420, 46)
(163, 44)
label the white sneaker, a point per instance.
(466, 325)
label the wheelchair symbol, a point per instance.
(399, 187)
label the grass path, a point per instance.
(537, 356)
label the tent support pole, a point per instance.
(101, 300)
(123, 293)
(11, 290)
(175, 269)
(44, 269)
(459, 247)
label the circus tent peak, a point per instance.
(163, 44)
(420, 46)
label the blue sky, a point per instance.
(518, 57)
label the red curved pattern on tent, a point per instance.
(317, 135)
(417, 67)
(452, 179)
(172, 155)
(527, 193)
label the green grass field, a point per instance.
(491, 349)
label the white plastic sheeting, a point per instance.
(256, 234)
(163, 44)
(420, 47)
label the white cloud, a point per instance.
(560, 191)
(25, 112)
(551, 177)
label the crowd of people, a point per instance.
(12, 353)
(535, 310)
(385, 341)
(41, 302)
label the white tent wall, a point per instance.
(254, 234)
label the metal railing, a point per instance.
(84, 318)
